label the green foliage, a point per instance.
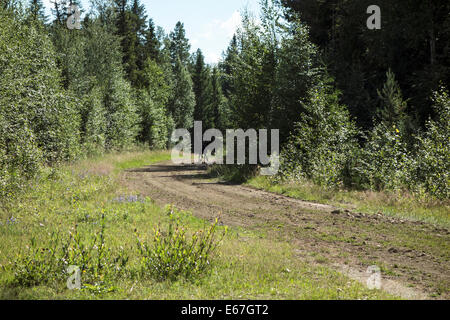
(412, 42)
(49, 264)
(384, 162)
(94, 123)
(182, 100)
(121, 117)
(323, 142)
(173, 253)
(296, 75)
(39, 117)
(179, 45)
(155, 122)
(433, 157)
(251, 78)
(202, 88)
(393, 106)
(121, 80)
(219, 103)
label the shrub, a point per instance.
(384, 162)
(48, 264)
(122, 118)
(39, 121)
(433, 156)
(322, 143)
(174, 253)
(94, 122)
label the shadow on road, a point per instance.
(197, 172)
(169, 168)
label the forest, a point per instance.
(356, 108)
(87, 112)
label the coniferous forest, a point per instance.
(357, 109)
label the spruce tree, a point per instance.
(179, 45)
(203, 91)
(219, 106)
(182, 101)
(37, 11)
(152, 44)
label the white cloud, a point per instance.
(232, 24)
(215, 35)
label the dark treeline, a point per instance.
(413, 42)
(356, 108)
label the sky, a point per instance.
(209, 24)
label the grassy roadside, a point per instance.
(247, 264)
(401, 205)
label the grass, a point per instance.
(401, 205)
(247, 264)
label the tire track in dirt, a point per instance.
(414, 256)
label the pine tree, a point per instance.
(182, 101)
(37, 11)
(219, 106)
(125, 30)
(251, 79)
(179, 46)
(227, 65)
(203, 91)
(139, 30)
(296, 75)
(152, 44)
(393, 107)
(152, 104)
(58, 11)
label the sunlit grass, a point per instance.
(402, 205)
(248, 265)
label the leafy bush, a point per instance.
(174, 253)
(122, 118)
(384, 162)
(322, 143)
(39, 121)
(155, 122)
(433, 156)
(94, 122)
(48, 264)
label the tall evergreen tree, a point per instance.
(139, 22)
(182, 101)
(125, 29)
(226, 66)
(37, 11)
(203, 91)
(219, 106)
(152, 44)
(179, 46)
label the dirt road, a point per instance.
(413, 256)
